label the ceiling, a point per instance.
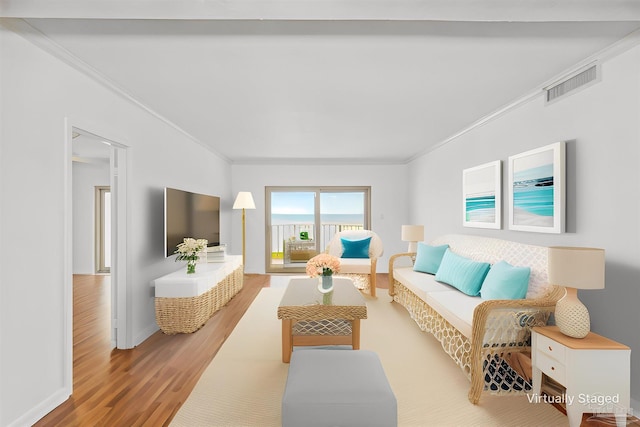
(346, 90)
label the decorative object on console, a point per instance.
(575, 268)
(324, 265)
(412, 234)
(244, 200)
(217, 253)
(189, 251)
(537, 189)
(481, 196)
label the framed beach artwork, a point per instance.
(481, 196)
(537, 189)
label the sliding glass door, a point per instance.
(301, 221)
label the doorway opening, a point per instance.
(108, 251)
(103, 229)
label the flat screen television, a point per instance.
(189, 214)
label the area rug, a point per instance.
(244, 383)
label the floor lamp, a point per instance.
(244, 200)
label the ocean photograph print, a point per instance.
(537, 189)
(481, 196)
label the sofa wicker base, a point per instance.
(361, 281)
(187, 315)
(484, 361)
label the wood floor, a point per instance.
(144, 386)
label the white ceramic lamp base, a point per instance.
(572, 317)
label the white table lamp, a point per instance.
(244, 200)
(575, 268)
(412, 234)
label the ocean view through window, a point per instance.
(300, 221)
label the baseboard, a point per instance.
(145, 333)
(39, 411)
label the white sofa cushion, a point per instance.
(457, 308)
(453, 305)
(419, 283)
(355, 265)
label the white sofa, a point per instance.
(480, 335)
(361, 270)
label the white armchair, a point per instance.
(361, 270)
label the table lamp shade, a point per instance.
(575, 268)
(580, 268)
(244, 200)
(412, 234)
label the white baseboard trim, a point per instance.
(42, 409)
(145, 333)
(635, 408)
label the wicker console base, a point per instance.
(187, 315)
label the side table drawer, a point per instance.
(551, 348)
(551, 367)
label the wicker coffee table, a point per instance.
(312, 318)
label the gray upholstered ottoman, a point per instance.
(337, 388)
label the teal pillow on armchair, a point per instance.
(355, 248)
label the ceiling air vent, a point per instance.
(570, 84)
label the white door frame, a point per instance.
(122, 335)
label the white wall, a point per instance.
(388, 199)
(602, 128)
(38, 93)
(86, 176)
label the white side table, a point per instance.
(594, 370)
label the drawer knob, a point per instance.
(550, 349)
(553, 368)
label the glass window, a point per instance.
(301, 221)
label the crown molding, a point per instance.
(433, 10)
(327, 161)
(28, 32)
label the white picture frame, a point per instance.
(537, 189)
(482, 196)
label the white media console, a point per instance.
(184, 302)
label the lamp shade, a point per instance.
(412, 233)
(580, 268)
(244, 200)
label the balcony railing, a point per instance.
(283, 232)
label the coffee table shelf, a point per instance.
(309, 319)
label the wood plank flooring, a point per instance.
(145, 386)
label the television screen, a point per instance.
(190, 215)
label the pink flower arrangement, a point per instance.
(324, 264)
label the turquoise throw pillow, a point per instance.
(505, 281)
(428, 258)
(462, 273)
(355, 248)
